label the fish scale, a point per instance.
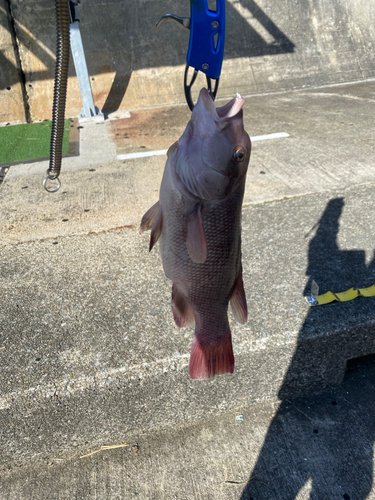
(221, 225)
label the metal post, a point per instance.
(89, 110)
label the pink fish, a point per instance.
(198, 221)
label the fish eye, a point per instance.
(239, 154)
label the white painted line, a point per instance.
(277, 135)
(160, 152)
(132, 156)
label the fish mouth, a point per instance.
(232, 108)
(223, 113)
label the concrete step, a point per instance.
(89, 351)
(330, 146)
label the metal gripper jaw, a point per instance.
(206, 43)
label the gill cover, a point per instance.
(207, 163)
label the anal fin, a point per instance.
(196, 239)
(182, 313)
(238, 300)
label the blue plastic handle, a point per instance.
(204, 25)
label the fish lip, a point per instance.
(232, 108)
(223, 113)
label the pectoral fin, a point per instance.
(196, 239)
(238, 300)
(149, 218)
(172, 148)
(156, 229)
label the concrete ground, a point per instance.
(90, 356)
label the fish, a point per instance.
(198, 222)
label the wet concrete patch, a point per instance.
(149, 129)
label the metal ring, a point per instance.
(51, 178)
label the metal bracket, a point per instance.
(89, 110)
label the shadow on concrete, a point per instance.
(249, 23)
(322, 444)
(138, 45)
(9, 74)
(7, 68)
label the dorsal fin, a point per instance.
(196, 239)
(149, 218)
(156, 229)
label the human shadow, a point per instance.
(322, 443)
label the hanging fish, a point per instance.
(198, 221)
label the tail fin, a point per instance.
(208, 360)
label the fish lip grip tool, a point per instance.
(206, 44)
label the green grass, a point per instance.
(29, 141)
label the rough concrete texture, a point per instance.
(90, 355)
(270, 46)
(11, 101)
(316, 447)
(86, 325)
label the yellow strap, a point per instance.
(350, 294)
(367, 292)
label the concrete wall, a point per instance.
(271, 45)
(11, 98)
